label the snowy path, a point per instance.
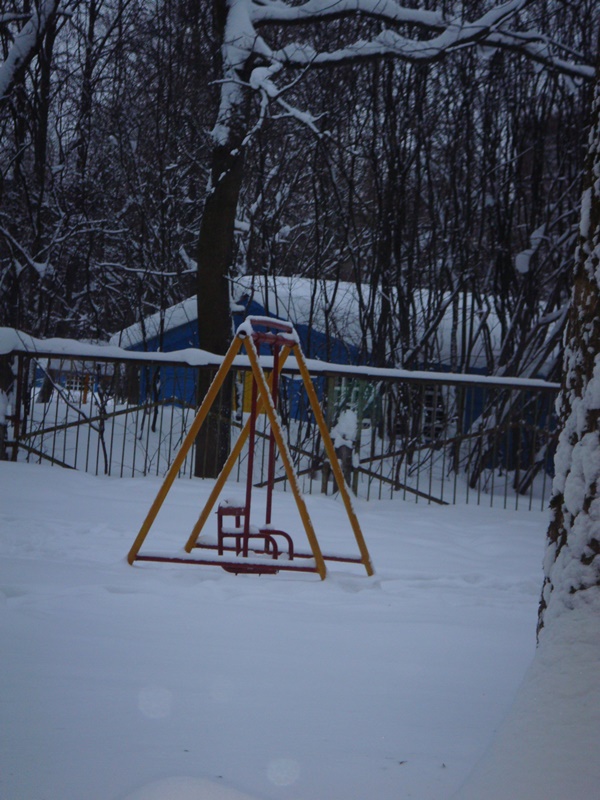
(116, 678)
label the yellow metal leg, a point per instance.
(285, 457)
(333, 460)
(228, 466)
(205, 407)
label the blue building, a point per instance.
(323, 328)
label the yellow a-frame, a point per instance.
(265, 552)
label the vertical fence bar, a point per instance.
(131, 384)
(140, 410)
(446, 405)
(99, 423)
(56, 394)
(391, 423)
(549, 406)
(533, 449)
(115, 384)
(515, 438)
(65, 435)
(470, 422)
(148, 418)
(434, 415)
(506, 436)
(160, 411)
(418, 436)
(173, 421)
(16, 411)
(487, 411)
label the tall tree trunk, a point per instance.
(216, 239)
(572, 562)
(215, 250)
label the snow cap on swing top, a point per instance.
(285, 329)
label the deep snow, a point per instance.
(159, 682)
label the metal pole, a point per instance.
(251, 445)
(271, 461)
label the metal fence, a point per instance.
(430, 437)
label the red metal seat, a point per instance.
(243, 533)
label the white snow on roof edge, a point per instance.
(336, 307)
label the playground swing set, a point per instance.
(242, 547)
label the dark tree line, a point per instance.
(103, 158)
(439, 185)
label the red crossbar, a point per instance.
(285, 334)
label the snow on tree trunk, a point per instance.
(572, 561)
(25, 45)
(216, 238)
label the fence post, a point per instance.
(329, 412)
(7, 380)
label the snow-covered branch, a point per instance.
(249, 59)
(280, 12)
(541, 50)
(26, 45)
(448, 33)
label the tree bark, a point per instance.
(215, 250)
(216, 239)
(572, 562)
(214, 256)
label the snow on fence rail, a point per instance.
(436, 437)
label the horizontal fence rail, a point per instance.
(433, 437)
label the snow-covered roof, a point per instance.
(326, 306)
(332, 307)
(323, 305)
(174, 317)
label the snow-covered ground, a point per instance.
(166, 682)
